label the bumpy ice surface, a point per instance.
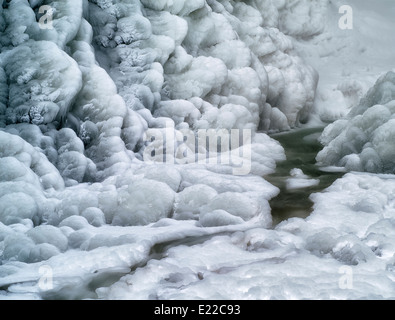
(77, 199)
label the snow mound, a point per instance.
(364, 141)
(344, 250)
(299, 180)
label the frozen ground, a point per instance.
(83, 216)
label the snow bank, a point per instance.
(364, 140)
(344, 250)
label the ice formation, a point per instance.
(344, 250)
(299, 180)
(82, 95)
(83, 84)
(364, 141)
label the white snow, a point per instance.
(364, 141)
(349, 233)
(299, 180)
(349, 61)
(82, 194)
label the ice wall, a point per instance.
(227, 58)
(80, 89)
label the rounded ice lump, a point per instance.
(365, 139)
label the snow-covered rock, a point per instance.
(364, 141)
(299, 180)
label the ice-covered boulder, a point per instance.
(42, 82)
(364, 140)
(300, 180)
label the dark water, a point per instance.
(301, 147)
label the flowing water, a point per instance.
(301, 147)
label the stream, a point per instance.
(301, 147)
